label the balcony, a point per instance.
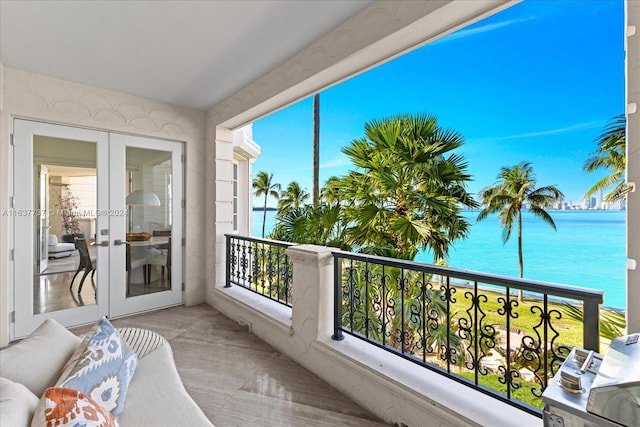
(378, 343)
(238, 379)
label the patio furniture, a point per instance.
(155, 396)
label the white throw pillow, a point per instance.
(38, 360)
(17, 404)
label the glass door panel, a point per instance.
(42, 209)
(149, 203)
(147, 245)
(56, 188)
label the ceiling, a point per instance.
(189, 53)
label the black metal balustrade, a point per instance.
(466, 325)
(261, 266)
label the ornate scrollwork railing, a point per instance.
(261, 266)
(466, 325)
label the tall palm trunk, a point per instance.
(520, 251)
(316, 150)
(264, 213)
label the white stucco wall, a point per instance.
(36, 97)
(633, 163)
(219, 207)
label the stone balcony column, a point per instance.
(633, 164)
(312, 293)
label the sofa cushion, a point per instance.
(52, 240)
(68, 407)
(38, 360)
(68, 248)
(158, 396)
(17, 403)
(101, 367)
(57, 247)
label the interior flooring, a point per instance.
(239, 380)
(51, 291)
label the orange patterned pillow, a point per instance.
(68, 407)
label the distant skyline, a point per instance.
(536, 82)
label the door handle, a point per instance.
(119, 242)
(104, 243)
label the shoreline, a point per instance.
(588, 250)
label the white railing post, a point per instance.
(312, 293)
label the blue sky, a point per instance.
(536, 82)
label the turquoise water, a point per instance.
(587, 250)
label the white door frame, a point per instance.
(24, 230)
(43, 215)
(119, 303)
(111, 272)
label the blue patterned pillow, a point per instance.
(101, 367)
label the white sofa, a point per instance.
(155, 397)
(57, 249)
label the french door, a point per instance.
(97, 224)
(145, 223)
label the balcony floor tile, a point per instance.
(239, 380)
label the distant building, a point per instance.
(618, 205)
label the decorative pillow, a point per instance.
(101, 367)
(38, 360)
(68, 407)
(17, 404)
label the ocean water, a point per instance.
(588, 249)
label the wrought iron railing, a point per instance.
(261, 266)
(466, 325)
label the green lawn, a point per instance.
(523, 393)
(569, 329)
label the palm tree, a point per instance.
(408, 190)
(514, 189)
(330, 192)
(316, 150)
(264, 185)
(292, 198)
(323, 225)
(611, 156)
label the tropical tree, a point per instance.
(292, 198)
(263, 185)
(330, 191)
(323, 225)
(408, 190)
(316, 150)
(610, 156)
(514, 189)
